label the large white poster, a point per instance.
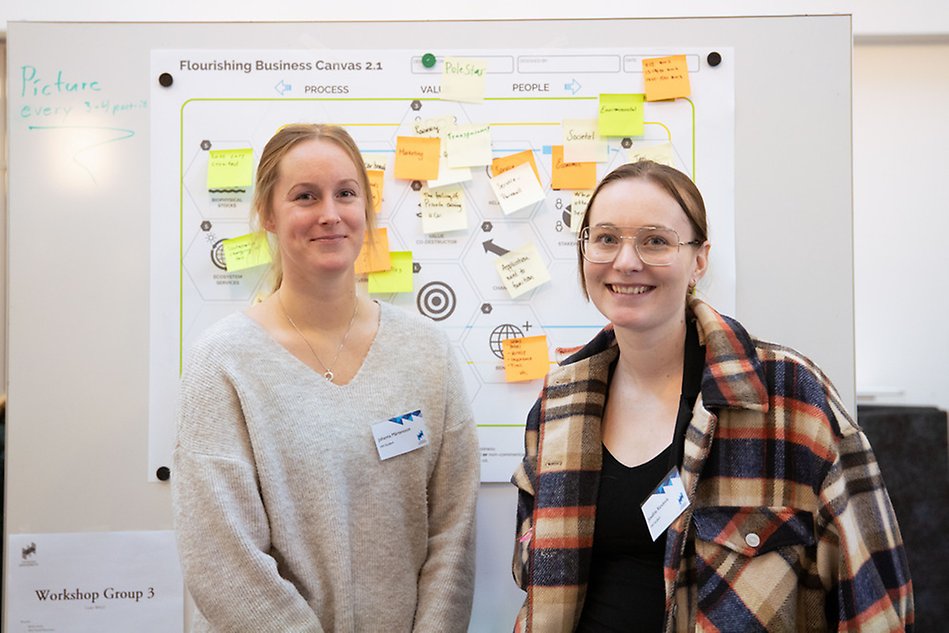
(94, 582)
(208, 100)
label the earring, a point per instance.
(692, 287)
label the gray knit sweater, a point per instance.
(287, 519)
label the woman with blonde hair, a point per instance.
(326, 468)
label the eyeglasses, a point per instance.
(656, 246)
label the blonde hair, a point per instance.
(670, 180)
(268, 172)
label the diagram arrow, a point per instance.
(491, 247)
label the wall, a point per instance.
(872, 18)
(901, 222)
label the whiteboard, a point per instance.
(78, 262)
(233, 100)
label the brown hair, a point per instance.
(268, 171)
(670, 180)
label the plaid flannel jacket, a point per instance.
(790, 527)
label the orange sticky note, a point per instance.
(525, 358)
(570, 175)
(376, 179)
(416, 157)
(375, 256)
(506, 163)
(666, 78)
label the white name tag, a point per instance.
(665, 504)
(400, 434)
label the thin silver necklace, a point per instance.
(328, 374)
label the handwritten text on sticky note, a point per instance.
(517, 188)
(416, 157)
(376, 181)
(504, 163)
(443, 209)
(396, 279)
(246, 251)
(578, 209)
(666, 78)
(522, 270)
(566, 175)
(468, 145)
(230, 168)
(463, 79)
(525, 358)
(621, 115)
(582, 142)
(374, 255)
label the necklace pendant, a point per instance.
(328, 375)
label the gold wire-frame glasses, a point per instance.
(655, 245)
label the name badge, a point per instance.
(401, 434)
(665, 504)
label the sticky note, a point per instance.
(396, 279)
(582, 142)
(522, 270)
(230, 168)
(525, 358)
(444, 210)
(659, 153)
(621, 115)
(517, 188)
(566, 175)
(375, 256)
(246, 251)
(434, 126)
(417, 157)
(578, 208)
(501, 165)
(468, 145)
(374, 162)
(666, 78)
(463, 79)
(376, 180)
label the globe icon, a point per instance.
(501, 332)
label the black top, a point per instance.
(626, 590)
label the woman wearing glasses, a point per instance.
(681, 475)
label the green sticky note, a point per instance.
(620, 115)
(230, 168)
(246, 251)
(396, 279)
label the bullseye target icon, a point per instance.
(436, 300)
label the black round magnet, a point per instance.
(714, 58)
(163, 473)
(165, 79)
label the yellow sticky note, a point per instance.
(666, 78)
(396, 279)
(659, 153)
(374, 256)
(468, 145)
(417, 157)
(566, 175)
(246, 251)
(525, 358)
(501, 165)
(582, 142)
(621, 115)
(578, 208)
(516, 188)
(522, 270)
(463, 79)
(230, 168)
(443, 209)
(376, 181)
